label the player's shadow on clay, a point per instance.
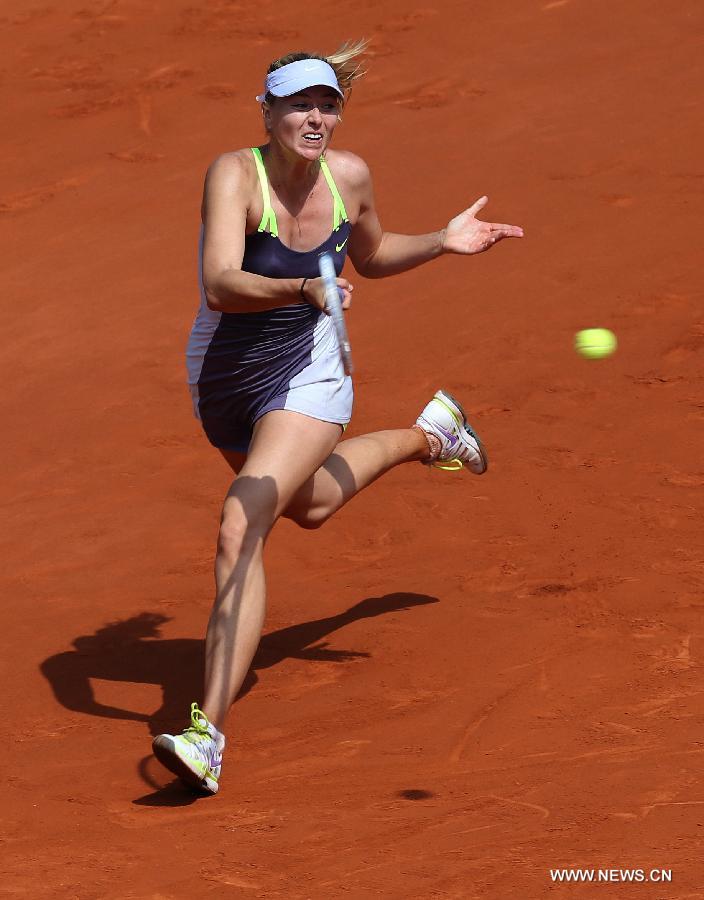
(133, 651)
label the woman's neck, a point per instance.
(287, 169)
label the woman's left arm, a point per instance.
(376, 253)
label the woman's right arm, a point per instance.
(227, 288)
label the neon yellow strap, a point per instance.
(268, 222)
(339, 213)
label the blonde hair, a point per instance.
(345, 61)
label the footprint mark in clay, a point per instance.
(218, 91)
(691, 343)
(620, 201)
(26, 200)
(436, 93)
(408, 22)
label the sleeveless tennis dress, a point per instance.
(243, 365)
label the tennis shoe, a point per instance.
(195, 755)
(460, 446)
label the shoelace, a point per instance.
(198, 729)
(450, 465)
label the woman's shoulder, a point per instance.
(348, 167)
(232, 173)
(232, 162)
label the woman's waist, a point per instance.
(256, 336)
(238, 348)
(281, 323)
(280, 318)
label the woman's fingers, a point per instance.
(314, 293)
(467, 234)
(478, 206)
(503, 231)
(347, 289)
(316, 297)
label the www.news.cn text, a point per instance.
(612, 876)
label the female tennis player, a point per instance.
(264, 365)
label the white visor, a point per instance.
(297, 76)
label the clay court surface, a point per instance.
(463, 682)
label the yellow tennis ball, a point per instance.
(595, 343)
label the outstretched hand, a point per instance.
(466, 234)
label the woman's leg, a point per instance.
(286, 449)
(353, 465)
(441, 433)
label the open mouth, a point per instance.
(313, 137)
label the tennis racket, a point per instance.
(334, 307)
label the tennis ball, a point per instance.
(595, 343)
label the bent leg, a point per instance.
(286, 449)
(354, 465)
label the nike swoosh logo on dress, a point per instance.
(339, 247)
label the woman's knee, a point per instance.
(310, 518)
(239, 531)
(232, 533)
(248, 514)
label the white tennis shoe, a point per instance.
(195, 755)
(460, 446)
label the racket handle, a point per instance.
(334, 295)
(327, 271)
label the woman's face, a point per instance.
(303, 123)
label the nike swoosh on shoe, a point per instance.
(448, 434)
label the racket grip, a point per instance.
(327, 269)
(334, 296)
